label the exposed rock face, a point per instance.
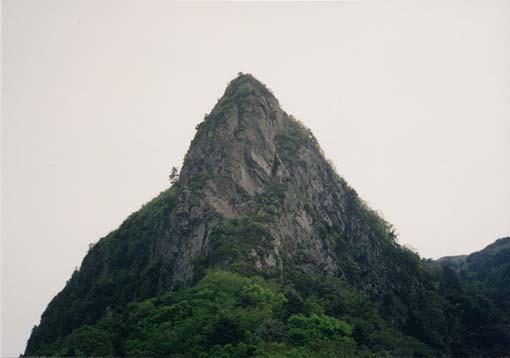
(255, 176)
(244, 146)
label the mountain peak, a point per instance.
(244, 95)
(236, 143)
(245, 84)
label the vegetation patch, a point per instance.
(291, 140)
(239, 243)
(223, 315)
(132, 274)
(198, 181)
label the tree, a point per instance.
(174, 175)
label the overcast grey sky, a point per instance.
(411, 101)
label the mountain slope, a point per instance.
(488, 269)
(256, 197)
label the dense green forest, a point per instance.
(226, 314)
(488, 270)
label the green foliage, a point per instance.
(306, 330)
(239, 243)
(131, 274)
(292, 139)
(244, 90)
(489, 270)
(212, 121)
(273, 196)
(223, 315)
(372, 332)
(198, 181)
(238, 93)
(356, 207)
(298, 315)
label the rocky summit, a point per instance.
(260, 248)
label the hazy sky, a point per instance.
(411, 101)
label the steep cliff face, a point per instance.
(247, 150)
(255, 196)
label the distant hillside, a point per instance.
(487, 269)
